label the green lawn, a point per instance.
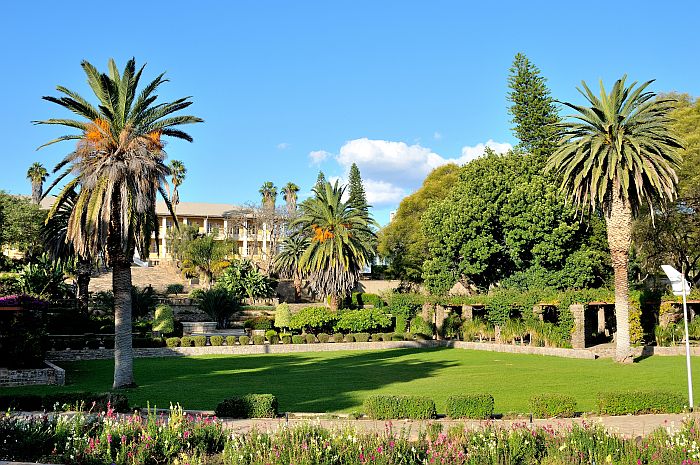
(339, 381)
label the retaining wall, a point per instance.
(33, 376)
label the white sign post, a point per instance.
(681, 287)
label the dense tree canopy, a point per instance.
(505, 220)
(402, 242)
(20, 224)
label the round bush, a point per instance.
(186, 341)
(298, 339)
(230, 340)
(323, 338)
(377, 337)
(216, 340)
(270, 333)
(258, 339)
(274, 339)
(244, 340)
(163, 320)
(338, 337)
(286, 338)
(362, 337)
(200, 341)
(172, 342)
(396, 337)
(310, 339)
(350, 337)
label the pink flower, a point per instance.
(186, 434)
(379, 449)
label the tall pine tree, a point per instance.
(357, 198)
(534, 113)
(320, 180)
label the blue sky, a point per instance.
(288, 88)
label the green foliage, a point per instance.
(382, 407)
(270, 333)
(44, 278)
(534, 113)
(230, 340)
(403, 241)
(310, 339)
(503, 217)
(200, 341)
(22, 340)
(66, 401)
(420, 326)
(298, 339)
(174, 288)
(362, 337)
(350, 337)
(338, 337)
(186, 341)
(172, 342)
(286, 338)
(243, 279)
(398, 337)
(640, 402)
(244, 340)
(470, 406)
(216, 340)
(259, 322)
(553, 405)
(323, 338)
(366, 319)
(219, 303)
(283, 316)
(313, 319)
(163, 320)
(207, 256)
(20, 224)
(248, 406)
(258, 339)
(143, 301)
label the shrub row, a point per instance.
(637, 402)
(382, 407)
(553, 405)
(248, 406)
(470, 406)
(65, 401)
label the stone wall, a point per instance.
(49, 375)
(377, 286)
(513, 349)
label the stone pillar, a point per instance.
(245, 238)
(467, 312)
(225, 231)
(578, 336)
(206, 224)
(601, 319)
(439, 319)
(497, 333)
(163, 234)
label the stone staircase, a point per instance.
(159, 277)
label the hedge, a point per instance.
(470, 406)
(310, 339)
(553, 405)
(200, 341)
(244, 340)
(286, 338)
(172, 342)
(186, 341)
(338, 337)
(65, 401)
(230, 340)
(323, 338)
(248, 406)
(216, 340)
(258, 339)
(383, 407)
(298, 339)
(636, 402)
(362, 337)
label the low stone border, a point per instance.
(96, 354)
(33, 376)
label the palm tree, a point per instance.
(335, 256)
(37, 175)
(288, 261)
(119, 165)
(269, 195)
(618, 155)
(54, 233)
(289, 191)
(178, 173)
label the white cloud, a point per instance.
(382, 193)
(474, 152)
(283, 145)
(318, 156)
(437, 135)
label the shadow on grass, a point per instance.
(303, 382)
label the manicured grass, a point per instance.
(339, 381)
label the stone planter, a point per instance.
(50, 374)
(196, 327)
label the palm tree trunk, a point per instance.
(619, 224)
(37, 189)
(123, 350)
(334, 303)
(84, 271)
(297, 287)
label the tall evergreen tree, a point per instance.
(358, 199)
(534, 112)
(320, 180)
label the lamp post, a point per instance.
(681, 287)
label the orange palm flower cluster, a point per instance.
(154, 139)
(321, 235)
(96, 131)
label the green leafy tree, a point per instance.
(20, 225)
(289, 192)
(206, 256)
(242, 278)
(283, 316)
(178, 172)
(37, 175)
(288, 260)
(619, 154)
(268, 191)
(534, 112)
(119, 165)
(502, 218)
(336, 254)
(403, 242)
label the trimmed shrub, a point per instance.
(200, 341)
(420, 337)
(372, 299)
(286, 338)
(244, 340)
(362, 337)
(323, 338)
(270, 333)
(258, 339)
(338, 337)
(396, 337)
(313, 319)
(377, 337)
(298, 339)
(382, 407)
(230, 340)
(283, 316)
(408, 336)
(248, 406)
(350, 337)
(637, 402)
(172, 342)
(216, 340)
(186, 341)
(419, 325)
(163, 320)
(470, 406)
(366, 319)
(310, 339)
(174, 288)
(400, 324)
(259, 322)
(553, 405)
